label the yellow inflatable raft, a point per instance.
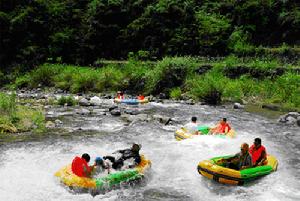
(182, 133)
(67, 177)
(211, 169)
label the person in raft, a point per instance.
(80, 166)
(222, 128)
(126, 154)
(141, 97)
(192, 126)
(101, 166)
(120, 95)
(240, 160)
(258, 153)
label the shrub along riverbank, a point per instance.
(211, 80)
(17, 118)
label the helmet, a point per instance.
(98, 160)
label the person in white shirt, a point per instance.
(192, 127)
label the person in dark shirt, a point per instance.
(125, 155)
(239, 161)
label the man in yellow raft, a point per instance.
(239, 161)
(192, 127)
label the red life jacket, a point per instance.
(223, 128)
(120, 96)
(141, 97)
(77, 166)
(256, 153)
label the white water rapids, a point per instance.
(27, 168)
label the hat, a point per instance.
(98, 160)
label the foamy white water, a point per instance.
(27, 168)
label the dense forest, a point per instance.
(84, 31)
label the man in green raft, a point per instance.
(239, 161)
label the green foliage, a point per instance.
(8, 105)
(2, 78)
(110, 79)
(208, 87)
(287, 89)
(32, 31)
(23, 81)
(175, 93)
(68, 100)
(140, 55)
(84, 81)
(169, 73)
(43, 75)
(238, 42)
(16, 118)
(213, 28)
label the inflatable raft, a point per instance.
(131, 101)
(67, 177)
(182, 133)
(212, 169)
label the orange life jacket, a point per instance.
(141, 97)
(78, 164)
(223, 128)
(256, 153)
(120, 96)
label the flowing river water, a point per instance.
(27, 168)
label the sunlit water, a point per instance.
(27, 169)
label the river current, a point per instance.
(27, 168)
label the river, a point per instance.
(27, 168)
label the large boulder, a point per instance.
(112, 107)
(135, 118)
(298, 121)
(84, 102)
(238, 106)
(131, 111)
(58, 122)
(95, 101)
(50, 124)
(162, 119)
(290, 118)
(115, 112)
(271, 107)
(82, 111)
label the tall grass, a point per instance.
(169, 73)
(16, 118)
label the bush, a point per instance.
(43, 75)
(69, 100)
(109, 78)
(175, 93)
(169, 73)
(238, 43)
(287, 89)
(8, 104)
(135, 75)
(208, 88)
(84, 81)
(23, 81)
